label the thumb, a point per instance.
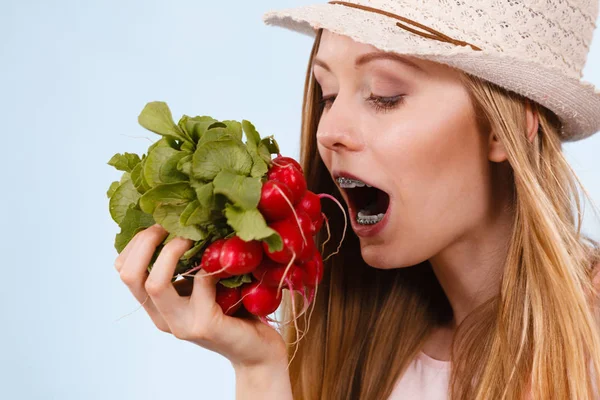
(205, 287)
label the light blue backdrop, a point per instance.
(73, 78)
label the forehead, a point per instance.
(340, 49)
(333, 43)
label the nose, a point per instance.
(338, 129)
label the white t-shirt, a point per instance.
(429, 379)
(425, 378)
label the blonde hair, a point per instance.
(539, 333)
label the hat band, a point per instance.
(435, 35)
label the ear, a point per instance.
(595, 295)
(497, 152)
(596, 277)
(533, 121)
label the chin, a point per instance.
(380, 256)
(386, 256)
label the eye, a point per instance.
(384, 104)
(327, 101)
(380, 103)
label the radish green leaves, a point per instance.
(200, 181)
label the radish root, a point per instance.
(297, 330)
(140, 306)
(312, 300)
(293, 210)
(330, 197)
(328, 232)
(300, 333)
(285, 273)
(205, 275)
(189, 272)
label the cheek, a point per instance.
(434, 154)
(439, 175)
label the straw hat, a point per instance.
(536, 48)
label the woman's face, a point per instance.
(411, 133)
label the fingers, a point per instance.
(120, 261)
(205, 288)
(205, 312)
(159, 285)
(133, 272)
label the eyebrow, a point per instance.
(365, 58)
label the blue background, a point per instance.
(73, 78)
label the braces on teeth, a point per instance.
(347, 183)
(364, 219)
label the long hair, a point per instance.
(538, 335)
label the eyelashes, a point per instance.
(379, 103)
(383, 104)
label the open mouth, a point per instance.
(368, 204)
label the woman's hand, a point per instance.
(247, 343)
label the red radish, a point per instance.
(308, 251)
(296, 277)
(239, 257)
(229, 299)
(304, 221)
(318, 224)
(273, 205)
(311, 204)
(264, 272)
(260, 300)
(266, 265)
(282, 161)
(210, 259)
(313, 270)
(272, 275)
(292, 177)
(293, 243)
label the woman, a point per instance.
(467, 276)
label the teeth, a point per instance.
(365, 219)
(347, 183)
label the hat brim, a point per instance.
(574, 101)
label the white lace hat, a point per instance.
(536, 48)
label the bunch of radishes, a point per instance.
(250, 216)
(295, 214)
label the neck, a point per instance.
(470, 269)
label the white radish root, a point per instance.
(330, 197)
(128, 314)
(285, 273)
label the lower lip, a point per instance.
(369, 230)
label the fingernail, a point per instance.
(159, 227)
